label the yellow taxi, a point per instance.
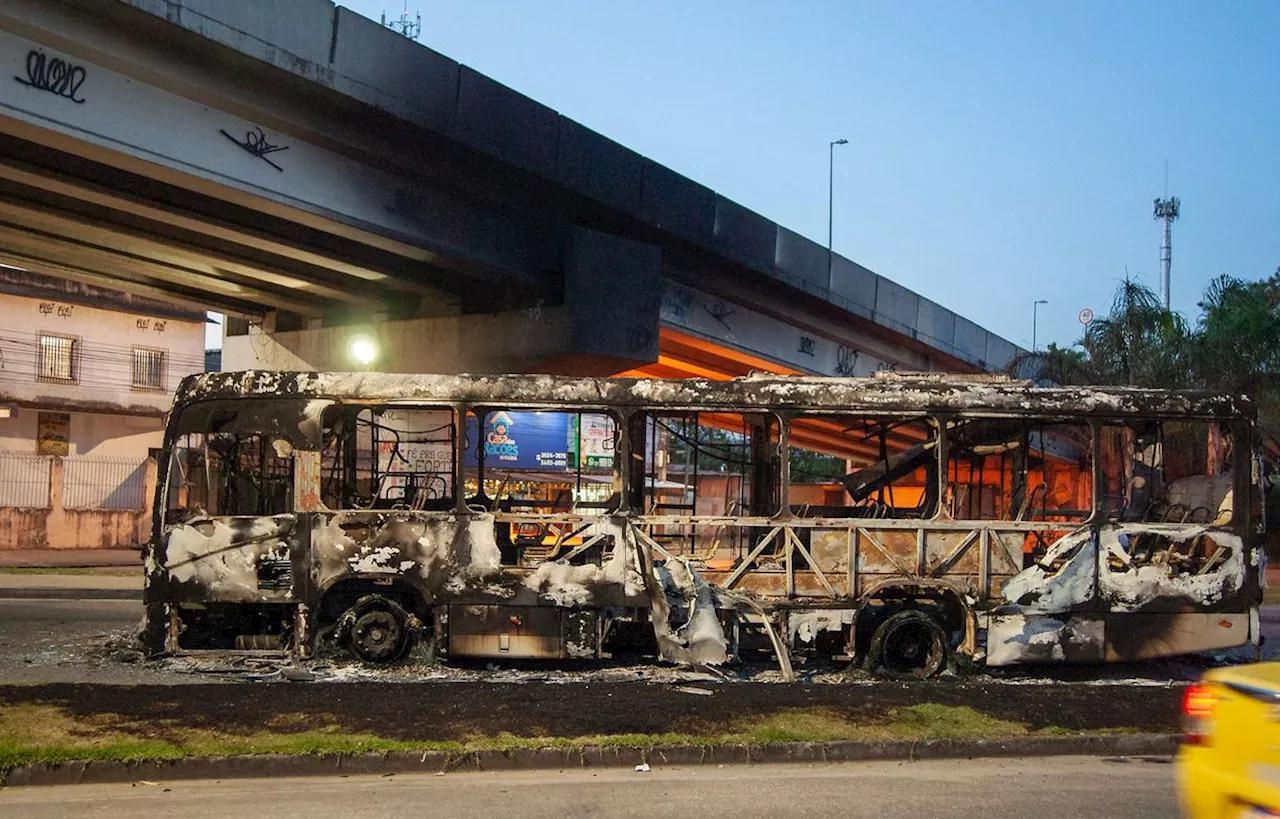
(1229, 763)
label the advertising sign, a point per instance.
(596, 440)
(53, 431)
(422, 447)
(522, 440)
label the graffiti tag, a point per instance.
(53, 74)
(255, 143)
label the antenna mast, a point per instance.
(1166, 209)
(407, 26)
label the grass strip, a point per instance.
(40, 732)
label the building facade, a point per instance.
(86, 376)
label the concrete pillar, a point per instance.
(57, 531)
(150, 477)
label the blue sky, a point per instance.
(999, 152)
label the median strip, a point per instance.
(44, 743)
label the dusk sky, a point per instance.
(999, 152)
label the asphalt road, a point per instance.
(1060, 787)
(79, 641)
(45, 641)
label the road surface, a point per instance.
(81, 641)
(1061, 788)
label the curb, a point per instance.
(55, 593)
(233, 767)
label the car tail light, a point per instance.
(1198, 706)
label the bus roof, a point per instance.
(889, 393)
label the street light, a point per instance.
(1035, 306)
(363, 350)
(831, 197)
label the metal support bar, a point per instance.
(984, 563)
(745, 565)
(852, 572)
(880, 548)
(955, 553)
(813, 564)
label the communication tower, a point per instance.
(410, 27)
(1166, 209)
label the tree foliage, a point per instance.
(1234, 346)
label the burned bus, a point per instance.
(903, 522)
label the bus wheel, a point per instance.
(908, 644)
(379, 630)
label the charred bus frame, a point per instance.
(959, 517)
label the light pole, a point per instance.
(1035, 306)
(831, 198)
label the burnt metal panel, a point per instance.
(506, 123)
(398, 74)
(677, 204)
(598, 167)
(802, 262)
(613, 289)
(896, 306)
(970, 341)
(935, 325)
(853, 286)
(744, 235)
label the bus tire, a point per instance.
(378, 630)
(909, 644)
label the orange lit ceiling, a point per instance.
(685, 356)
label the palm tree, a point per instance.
(1237, 342)
(1139, 343)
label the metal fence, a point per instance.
(103, 483)
(24, 480)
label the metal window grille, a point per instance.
(148, 368)
(24, 480)
(56, 358)
(103, 483)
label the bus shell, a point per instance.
(907, 522)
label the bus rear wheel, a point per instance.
(379, 630)
(908, 644)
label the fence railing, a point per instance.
(24, 480)
(103, 483)
(87, 482)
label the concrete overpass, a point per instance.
(314, 175)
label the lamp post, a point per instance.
(363, 351)
(831, 198)
(1035, 306)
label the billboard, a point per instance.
(521, 440)
(544, 441)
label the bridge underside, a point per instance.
(189, 164)
(74, 212)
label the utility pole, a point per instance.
(831, 199)
(1035, 306)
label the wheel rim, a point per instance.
(912, 648)
(376, 635)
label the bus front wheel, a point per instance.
(378, 630)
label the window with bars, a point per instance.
(56, 358)
(148, 368)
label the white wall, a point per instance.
(112, 436)
(105, 349)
